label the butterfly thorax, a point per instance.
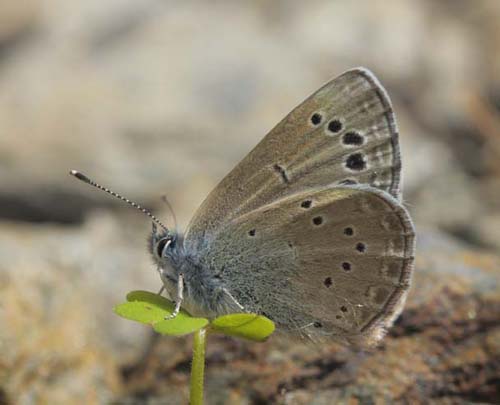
(204, 293)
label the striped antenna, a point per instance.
(85, 179)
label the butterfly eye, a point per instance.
(162, 244)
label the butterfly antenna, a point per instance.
(165, 200)
(85, 179)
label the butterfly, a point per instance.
(308, 229)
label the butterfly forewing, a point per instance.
(345, 133)
(331, 263)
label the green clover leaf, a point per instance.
(248, 326)
(152, 309)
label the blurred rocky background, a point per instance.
(158, 97)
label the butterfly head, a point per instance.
(165, 248)
(162, 244)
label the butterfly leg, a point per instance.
(179, 298)
(161, 290)
(234, 299)
(304, 333)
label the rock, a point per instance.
(58, 287)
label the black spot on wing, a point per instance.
(352, 138)
(282, 172)
(316, 119)
(356, 161)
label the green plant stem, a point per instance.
(198, 367)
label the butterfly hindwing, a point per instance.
(332, 263)
(344, 133)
